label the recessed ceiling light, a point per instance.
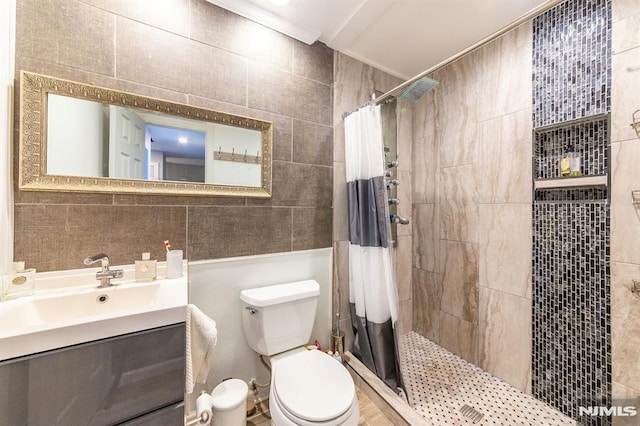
(182, 139)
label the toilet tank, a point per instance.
(279, 317)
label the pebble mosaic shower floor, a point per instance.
(440, 384)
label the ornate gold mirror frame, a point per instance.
(33, 176)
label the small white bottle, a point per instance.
(146, 268)
(20, 282)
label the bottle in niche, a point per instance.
(146, 268)
(565, 162)
(576, 164)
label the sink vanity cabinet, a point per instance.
(78, 354)
(134, 379)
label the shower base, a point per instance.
(447, 390)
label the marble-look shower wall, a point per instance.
(625, 217)
(472, 211)
(354, 83)
(192, 52)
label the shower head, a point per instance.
(418, 89)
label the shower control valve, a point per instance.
(394, 201)
(395, 182)
(398, 219)
(392, 164)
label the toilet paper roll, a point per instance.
(203, 409)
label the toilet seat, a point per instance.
(312, 388)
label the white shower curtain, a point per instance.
(7, 61)
(373, 298)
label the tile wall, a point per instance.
(192, 52)
(625, 216)
(472, 208)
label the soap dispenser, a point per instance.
(20, 282)
(146, 268)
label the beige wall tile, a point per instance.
(505, 77)
(460, 280)
(405, 320)
(314, 62)
(275, 90)
(622, 9)
(300, 185)
(214, 26)
(505, 337)
(218, 232)
(311, 228)
(340, 212)
(426, 298)
(505, 159)
(628, 396)
(624, 86)
(177, 63)
(66, 33)
(459, 337)
(405, 208)
(625, 316)
(170, 15)
(459, 204)
(624, 35)
(625, 217)
(426, 241)
(341, 279)
(403, 267)
(62, 236)
(312, 143)
(457, 98)
(505, 248)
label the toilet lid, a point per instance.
(313, 386)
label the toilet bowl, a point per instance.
(307, 387)
(311, 388)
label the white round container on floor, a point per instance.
(229, 403)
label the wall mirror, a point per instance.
(80, 137)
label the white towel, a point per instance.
(202, 337)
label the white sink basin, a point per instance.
(68, 308)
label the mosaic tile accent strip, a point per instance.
(588, 138)
(571, 61)
(571, 305)
(440, 384)
(571, 279)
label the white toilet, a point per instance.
(307, 387)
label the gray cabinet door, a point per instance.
(105, 382)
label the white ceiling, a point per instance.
(401, 37)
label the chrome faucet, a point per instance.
(104, 275)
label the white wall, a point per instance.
(237, 140)
(214, 287)
(74, 144)
(7, 61)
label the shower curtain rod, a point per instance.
(529, 15)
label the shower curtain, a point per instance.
(373, 298)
